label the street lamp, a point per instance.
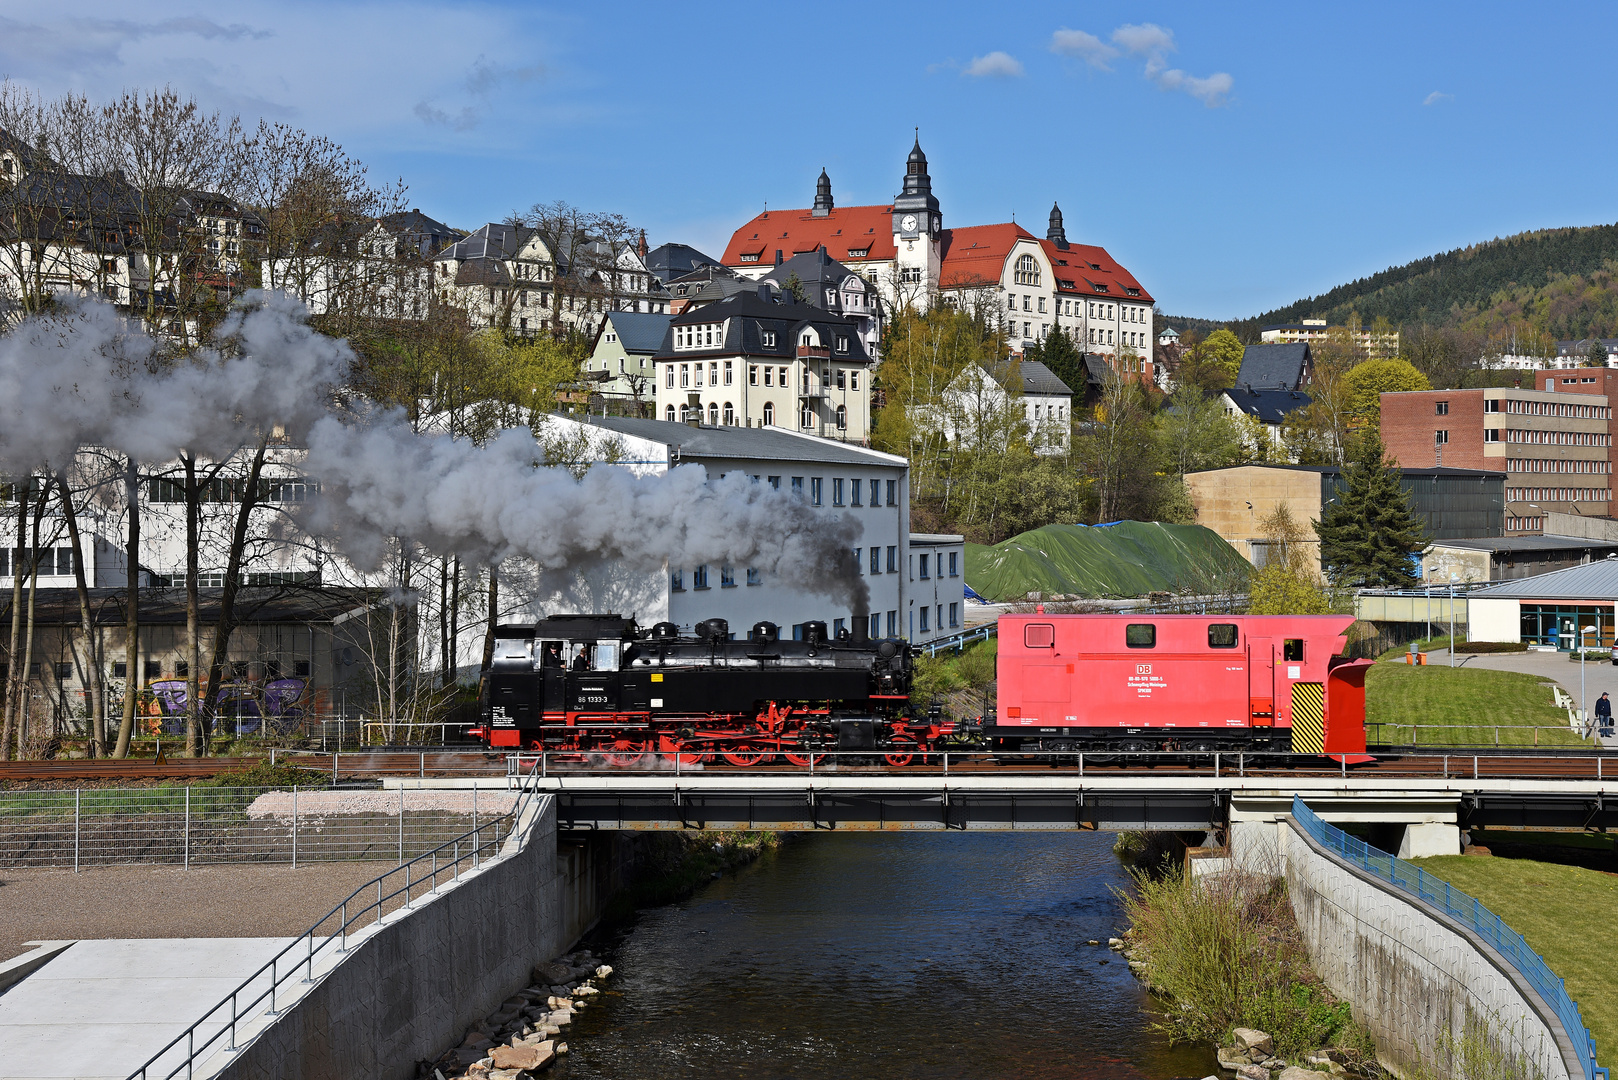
(1582, 631)
(1452, 577)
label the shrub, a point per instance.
(1491, 646)
(264, 774)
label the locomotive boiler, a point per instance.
(599, 685)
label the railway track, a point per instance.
(1460, 763)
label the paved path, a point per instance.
(1552, 667)
(100, 1009)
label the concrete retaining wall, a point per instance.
(1415, 977)
(411, 988)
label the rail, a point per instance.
(1457, 764)
(961, 640)
(1416, 729)
(1465, 909)
(298, 958)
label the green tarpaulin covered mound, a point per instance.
(1124, 559)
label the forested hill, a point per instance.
(1561, 282)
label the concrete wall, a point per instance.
(1233, 502)
(1494, 620)
(409, 990)
(1413, 976)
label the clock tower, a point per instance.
(918, 226)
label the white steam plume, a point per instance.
(81, 377)
(491, 503)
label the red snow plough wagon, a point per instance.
(1125, 684)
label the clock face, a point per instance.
(908, 223)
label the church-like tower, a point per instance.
(918, 225)
(823, 199)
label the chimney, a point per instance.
(778, 259)
(764, 292)
(693, 409)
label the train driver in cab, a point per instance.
(552, 656)
(581, 660)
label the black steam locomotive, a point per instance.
(597, 685)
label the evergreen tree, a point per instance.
(1597, 353)
(1369, 536)
(1058, 354)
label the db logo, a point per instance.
(1143, 669)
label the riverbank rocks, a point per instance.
(519, 1039)
(1252, 1072)
(536, 1056)
(1250, 1039)
(1115, 944)
(1231, 1059)
(553, 972)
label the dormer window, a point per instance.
(768, 338)
(1027, 272)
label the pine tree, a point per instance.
(1063, 359)
(1597, 353)
(1370, 535)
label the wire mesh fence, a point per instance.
(194, 826)
(1469, 911)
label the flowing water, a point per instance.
(894, 956)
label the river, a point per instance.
(897, 956)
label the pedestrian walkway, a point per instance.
(1551, 666)
(100, 1009)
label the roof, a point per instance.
(978, 253)
(1268, 406)
(669, 261)
(937, 538)
(843, 231)
(815, 268)
(639, 332)
(1504, 544)
(1591, 581)
(166, 607)
(1274, 366)
(762, 444)
(747, 315)
(1036, 377)
(1087, 270)
(1438, 472)
(493, 241)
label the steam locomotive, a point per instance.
(597, 684)
(1126, 684)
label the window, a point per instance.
(699, 577)
(769, 411)
(730, 414)
(841, 375)
(876, 559)
(1140, 635)
(816, 485)
(1025, 304)
(854, 493)
(1443, 408)
(775, 482)
(806, 415)
(1491, 434)
(1039, 635)
(685, 375)
(892, 486)
(752, 374)
(752, 576)
(954, 615)
(876, 624)
(837, 491)
(893, 624)
(153, 669)
(730, 372)
(893, 560)
(768, 338)
(668, 414)
(925, 611)
(955, 564)
(1042, 305)
(853, 380)
(876, 492)
(713, 413)
(668, 380)
(677, 581)
(1292, 650)
(1222, 635)
(924, 563)
(1440, 438)
(797, 486)
(1027, 271)
(769, 372)
(842, 347)
(842, 418)
(727, 577)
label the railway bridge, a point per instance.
(1415, 803)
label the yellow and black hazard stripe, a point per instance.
(1308, 718)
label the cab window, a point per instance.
(1222, 635)
(1141, 635)
(1292, 651)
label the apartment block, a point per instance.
(1555, 450)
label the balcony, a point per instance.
(811, 352)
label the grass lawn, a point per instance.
(1461, 707)
(1565, 913)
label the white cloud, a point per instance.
(996, 65)
(1436, 96)
(481, 83)
(1154, 43)
(1087, 47)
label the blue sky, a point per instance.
(1234, 158)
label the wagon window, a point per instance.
(1140, 636)
(1039, 635)
(1221, 635)
(1293, 650)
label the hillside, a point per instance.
(1562, 283)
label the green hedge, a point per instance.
(1491, 647)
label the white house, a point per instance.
(620, 364)
(985, 403)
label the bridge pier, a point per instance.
(1425, 824)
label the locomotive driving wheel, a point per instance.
(624, 751)
(903, 750)
(745, 758)
(804, 759)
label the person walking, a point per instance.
(1604, 716)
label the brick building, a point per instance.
(1556, 452)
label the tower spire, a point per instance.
(1055, 233)
(823, 199)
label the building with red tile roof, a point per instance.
(1030, 286)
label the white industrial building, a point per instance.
(916, 583)
(1549, 610)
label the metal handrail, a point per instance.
(240, 1012)
(1467, 910)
